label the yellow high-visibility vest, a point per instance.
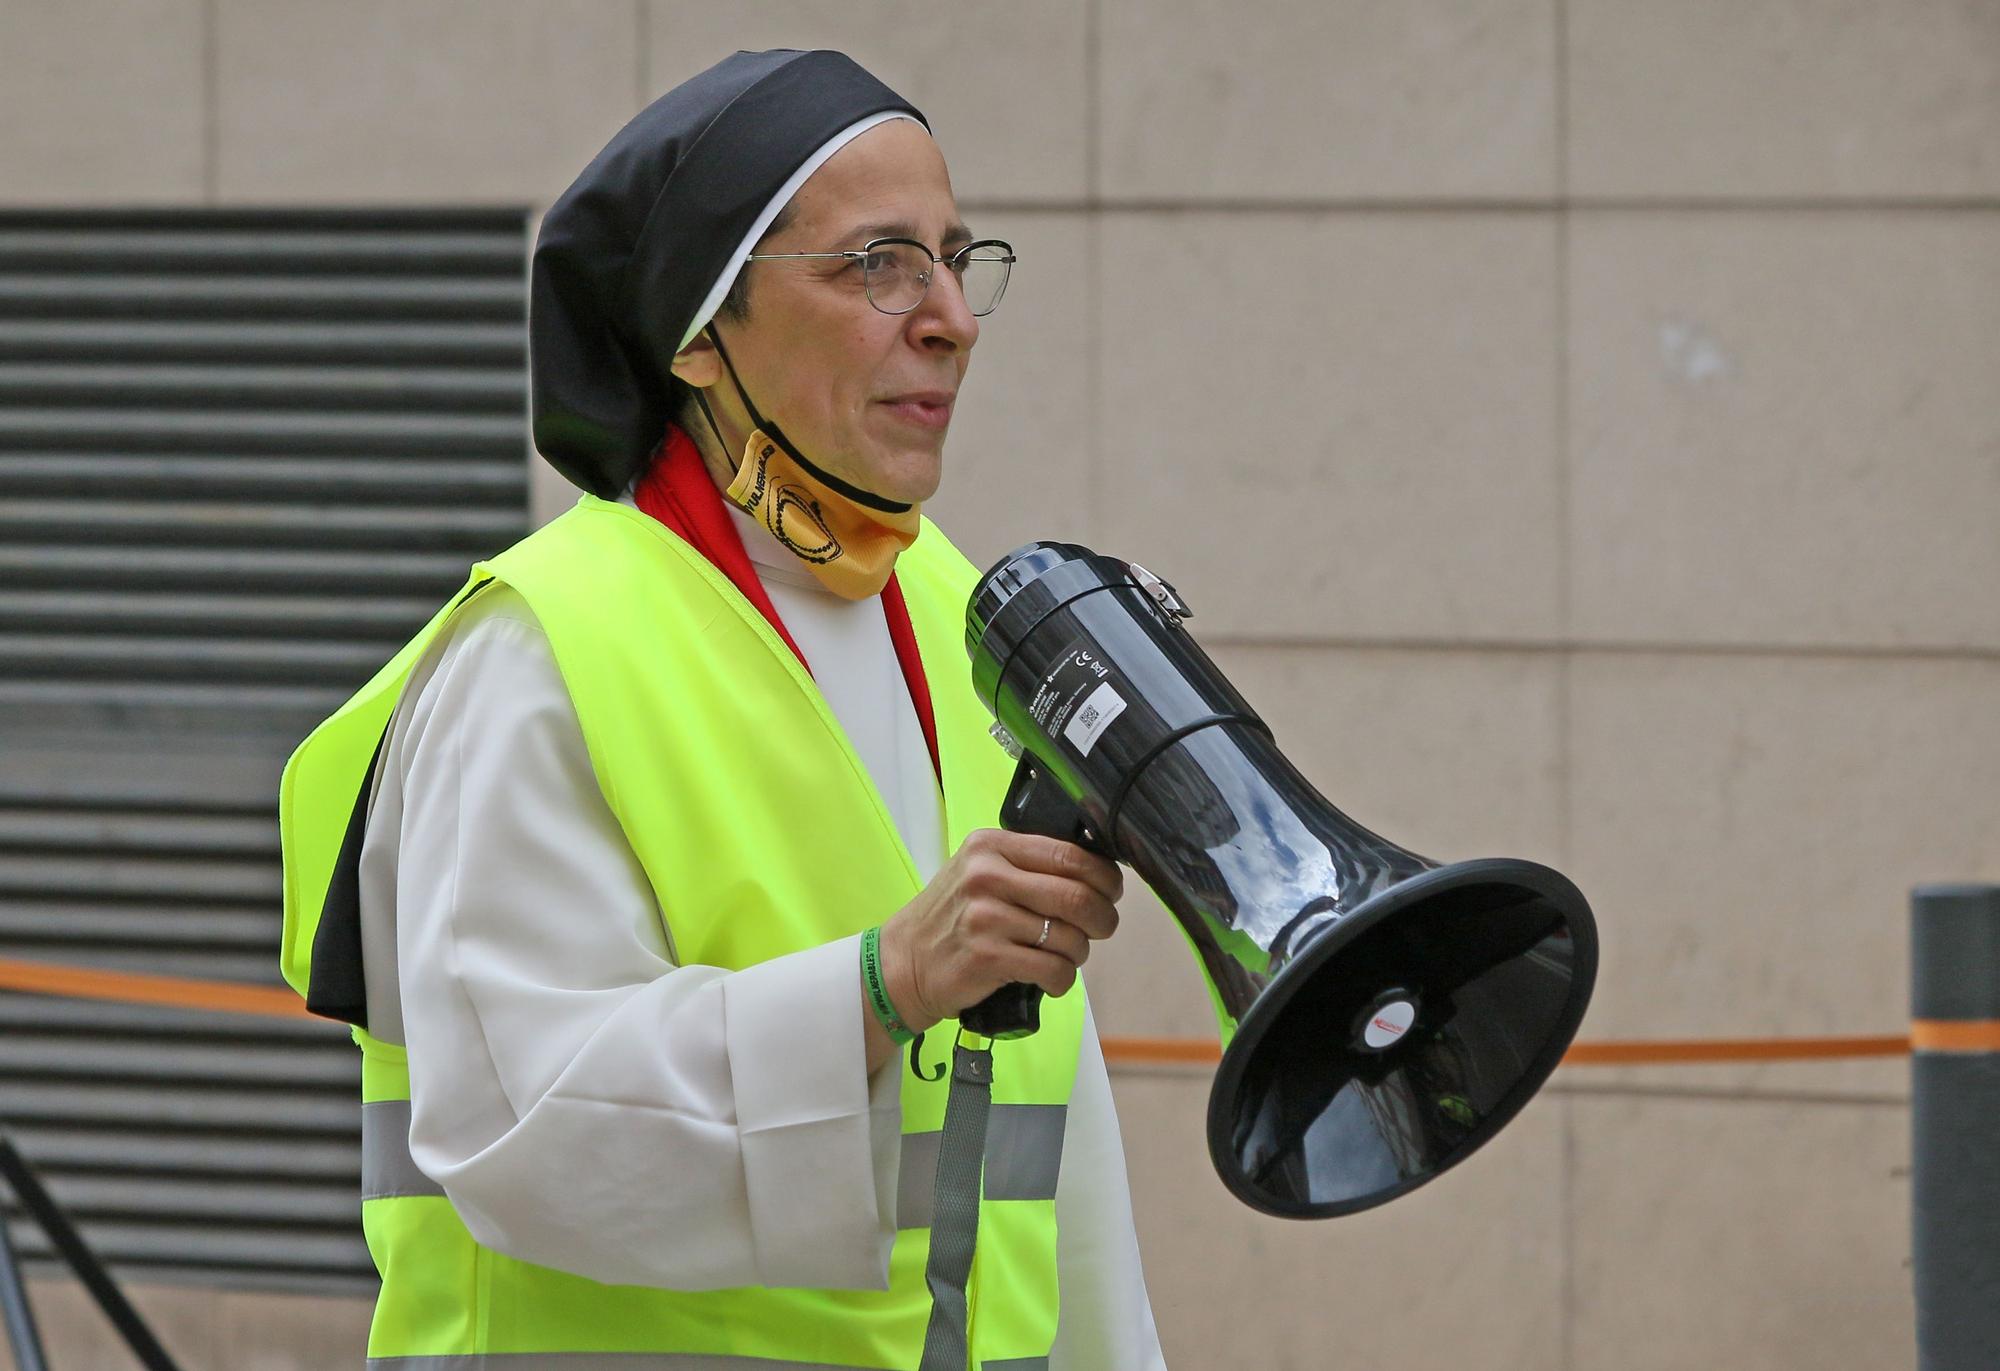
(762, 834)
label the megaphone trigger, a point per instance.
(1035, 803)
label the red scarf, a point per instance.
(677, 491)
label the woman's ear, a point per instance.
(698, 363)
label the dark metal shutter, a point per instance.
(243, 456)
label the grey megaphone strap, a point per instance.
(955, 1214)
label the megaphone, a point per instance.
(1382, 1015)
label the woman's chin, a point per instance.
(905, 473)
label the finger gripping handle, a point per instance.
(1035, 803)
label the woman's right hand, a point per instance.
(976, 926)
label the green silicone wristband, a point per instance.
(878, 992)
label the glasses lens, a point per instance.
(982, 272)
(896, 274)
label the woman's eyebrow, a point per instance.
(957, 233)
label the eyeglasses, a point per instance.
(896, 272)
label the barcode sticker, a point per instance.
(1092, 717)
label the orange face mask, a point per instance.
(848, 538)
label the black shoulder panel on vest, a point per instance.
(338, 990)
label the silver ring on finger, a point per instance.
(1046, 923)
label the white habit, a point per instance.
(587, 1104)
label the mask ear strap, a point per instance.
(777, 435)
(701, 399)
(749, 405)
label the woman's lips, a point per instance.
(930, 410)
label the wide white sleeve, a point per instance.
(585, 1103)
(1106, 1319)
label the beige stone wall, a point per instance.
(1574, 423)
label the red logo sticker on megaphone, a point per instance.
(1389, 1023)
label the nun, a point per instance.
(653, 872)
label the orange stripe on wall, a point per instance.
(86, 983)
(1955, 1035)
(1636, 1052)
(1154, 1051)
(1654, 1052)
(1929, 1035)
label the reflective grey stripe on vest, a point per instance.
(638, 1361)
(387, 1170)
(606, 1361)
(1024, 1145)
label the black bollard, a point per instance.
(1955, 1124)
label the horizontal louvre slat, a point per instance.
(61, 763)
(156, 296)
(27, 1012)
(255, 478)
(315, 1283)
(161, 877)
(388, 620)
(200, 964)
(138, 926)
(335, 1248)
(169, 430)
(170, 568)
(123, 705)
(75, 657)
(192, 834)
(172, 523)
(260, 1111)
(75, 1151)
(361, 343)
(188, 249)
(297, 387)
(170, 1199)
(26, 1056)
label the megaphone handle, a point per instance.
(1035, 803)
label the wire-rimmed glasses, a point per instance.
(896, 272)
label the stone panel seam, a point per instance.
(1558, 1090)
(211, 98)
(1095, 511)
(1783, 204)
(642, 52)
(1094, 204)
(1566, 1230)
(1573, 648)
(1562, 99)
(1565, 534)
(1696, 1095)
(1093, 101)
(1565, 528)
